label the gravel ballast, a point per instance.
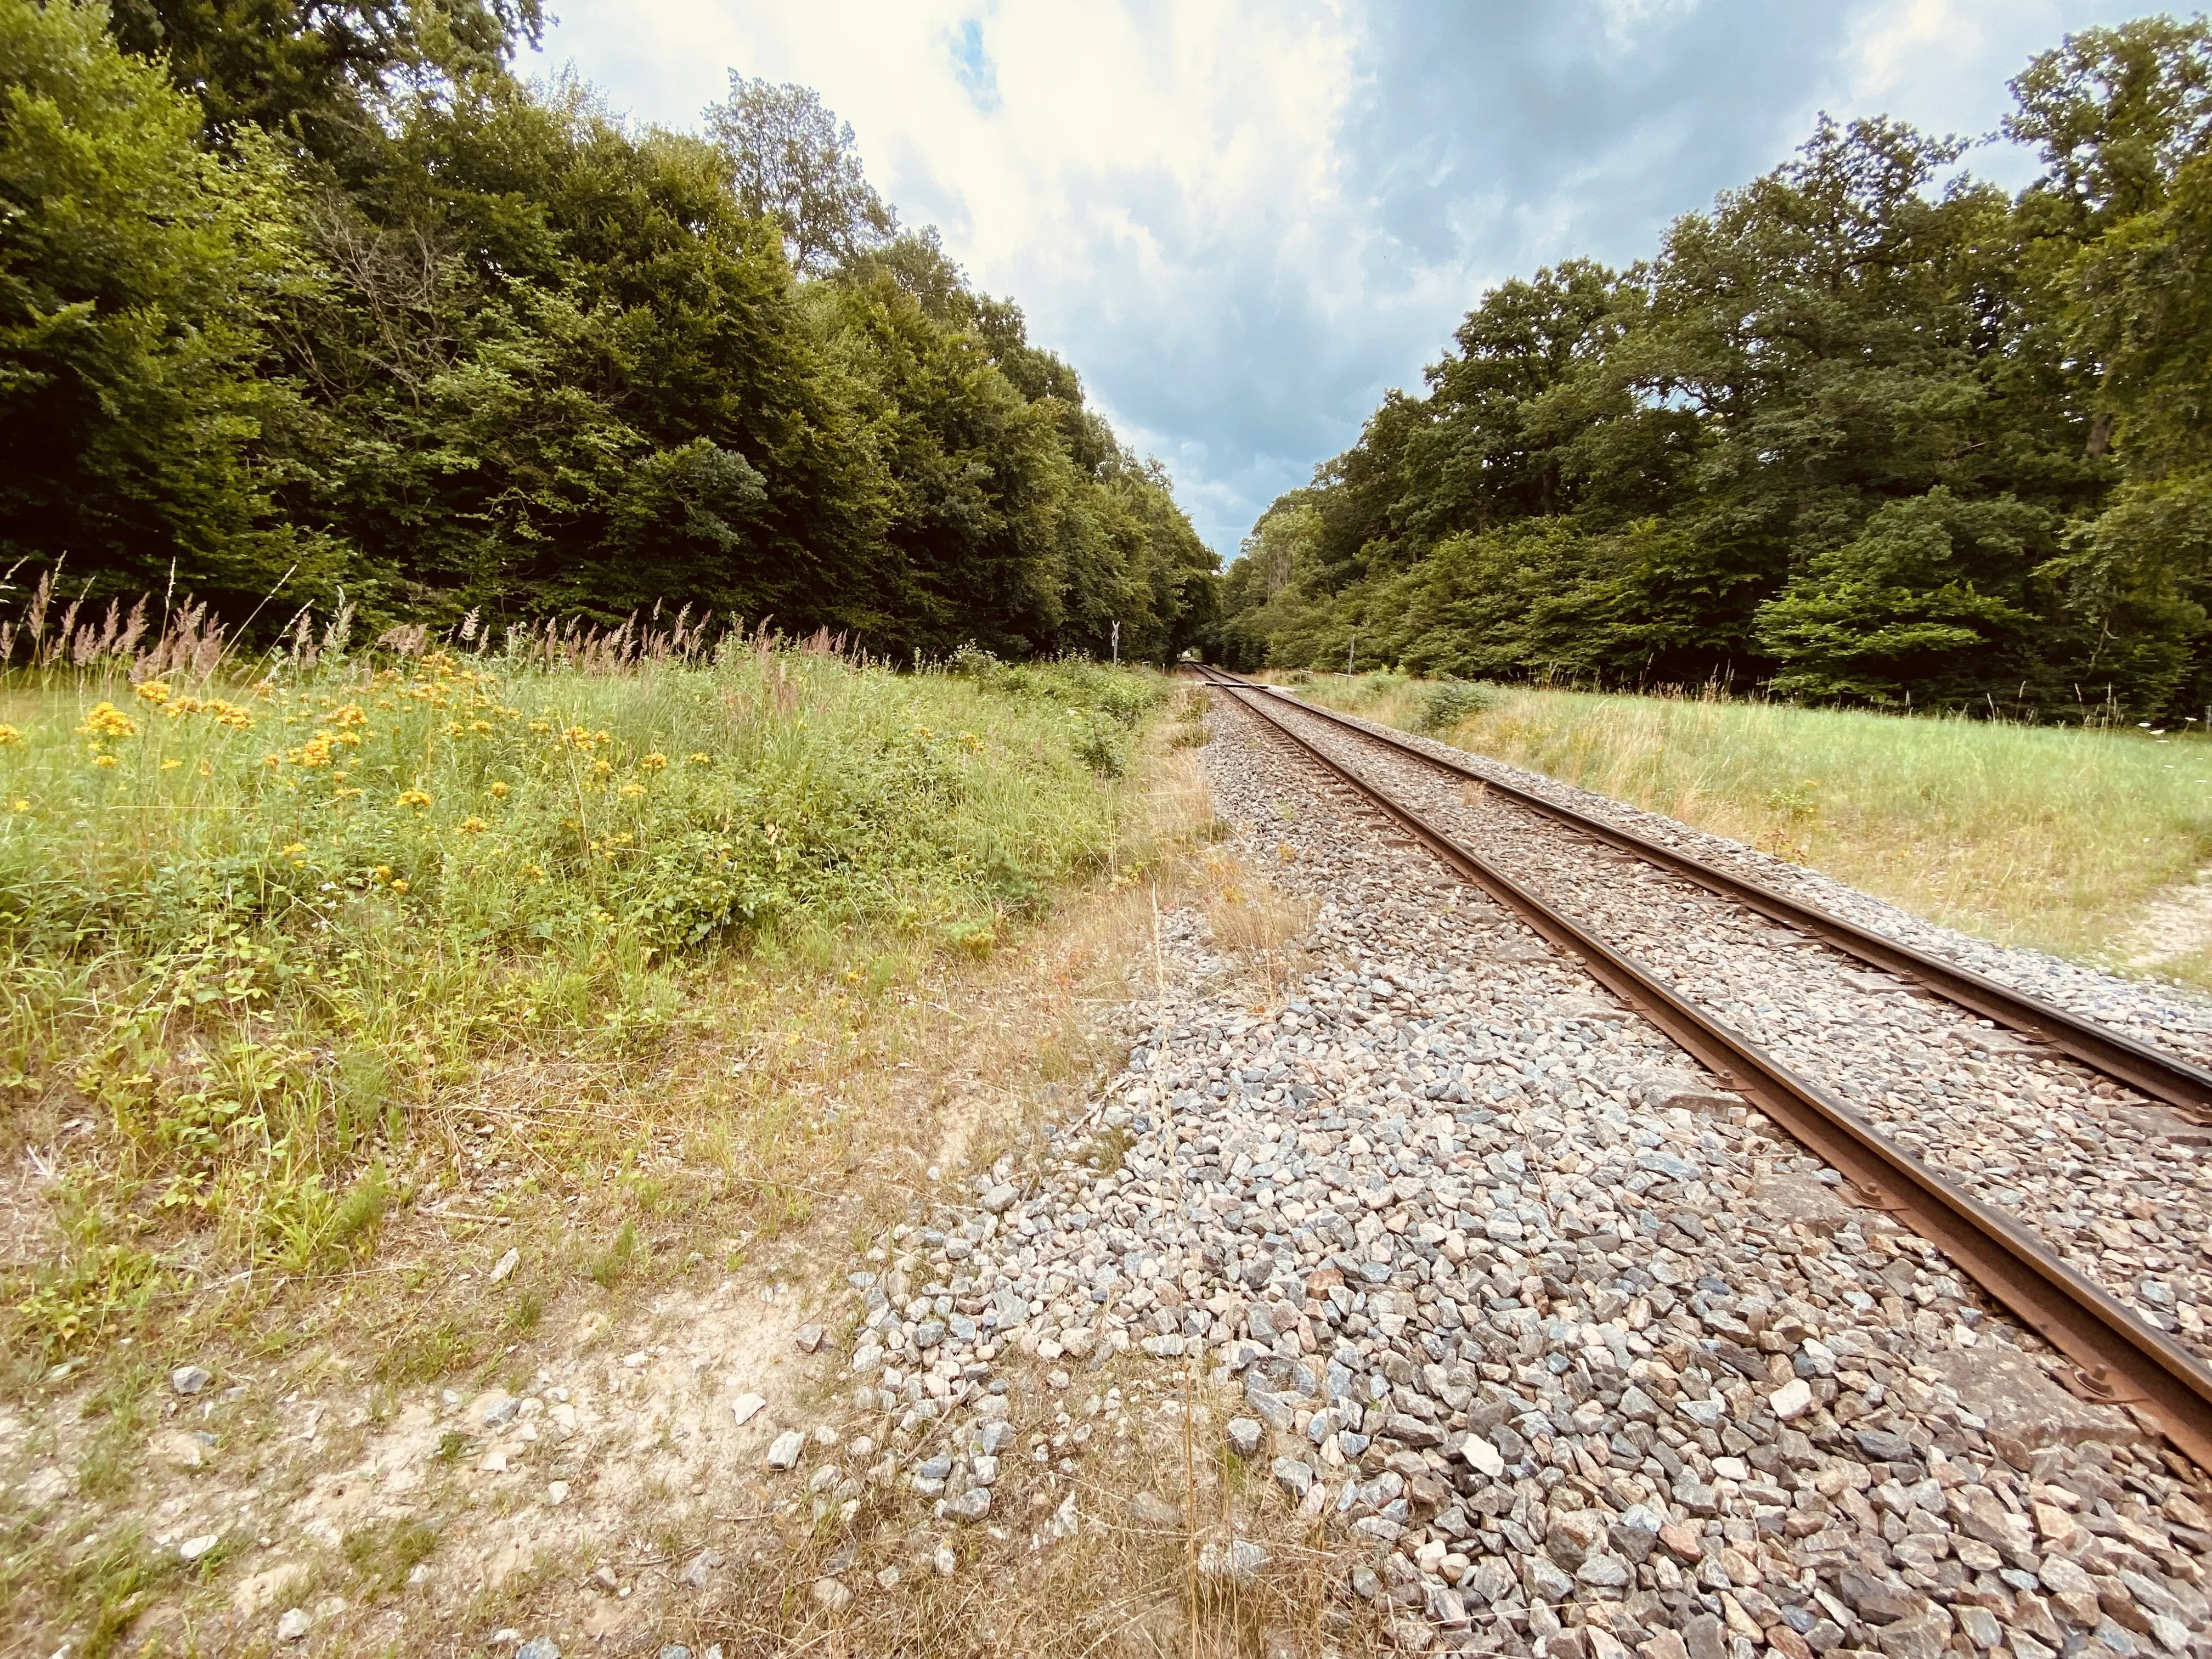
(2109, 1178)
(1560, 1347)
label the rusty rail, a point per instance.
(2119, 1359)
(2153, 1071)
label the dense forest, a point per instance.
(1869, 431)
(317, 298)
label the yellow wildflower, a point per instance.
(103, 760)
(654, 762)
(316, 751)
(344, 794)
(535, 871)
(382, 872)
(107, 721)
(171, 765)
(10, 737)
(633, 789)
(272, 762)
(224, 714)
(471, 825)
(349, 714)
(498, 792)
(296, 847)
(399, 886)
(154, 691)
(600, 768)
(480, 725)
(412, 798)
(701, 760)
(20, 804)
(541, 725)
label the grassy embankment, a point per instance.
(288, 955)
(2057, 838)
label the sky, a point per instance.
(1244, 220)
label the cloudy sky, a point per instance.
(1243, 220)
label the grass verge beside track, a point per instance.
(2085, 843)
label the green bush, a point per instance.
(1443, 707)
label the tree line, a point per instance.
(1869, 431)
(318, 299)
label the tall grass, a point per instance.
(253, 918)
(2039, 835)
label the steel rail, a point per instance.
(2153, 1071)
(2118, 1360)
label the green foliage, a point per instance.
(794, 163)
(135, 272)
(316, 74)
(1443, 707)
(1867, 431)
(360, 313)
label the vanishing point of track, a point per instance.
(2117, 1358)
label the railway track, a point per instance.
(2117, 1358)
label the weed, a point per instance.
(360, 1210)
(1110, 1150)
(1098, 747)
(114, 1583)
(1799, 802)
(1191, 711)
(607, 1268)
(383, 1556)
(422, 1354)
(524, 1313)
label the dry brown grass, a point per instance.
(1257, 924)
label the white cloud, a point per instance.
(1241, 220)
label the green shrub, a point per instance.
(1443, 707)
